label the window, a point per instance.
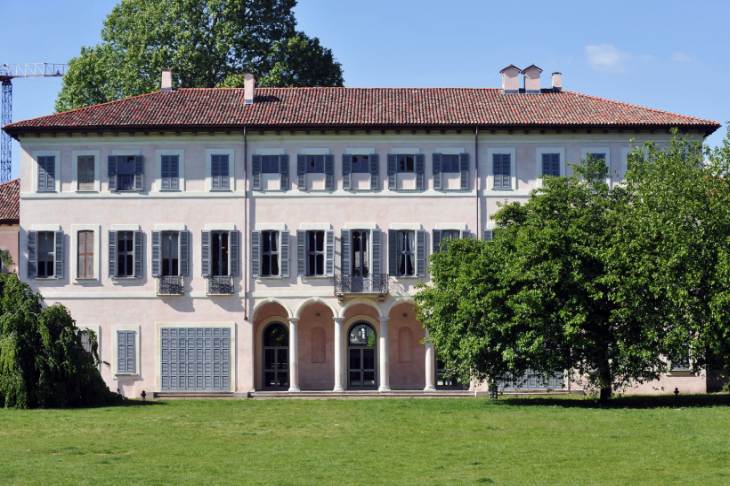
(405, 253)
(85, 336)
(125, 173)
(360, 164)
(220, 172)
(47, 173)
(502, 171)
(125, 254)
(170, 172)
(220, 251)
(170, 253)
(269, 253)
(126, 352)
(315, 253)
(85, 254)
(442, 236)
(86, 173)
(46, 242)
(406, 163)
(550, 164)
(314, 164)
(270, 164)
(450, 163)
(360, 252)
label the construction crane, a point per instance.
(8, 72)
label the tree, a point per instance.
(206, 43)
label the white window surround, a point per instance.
(231, 167)
(75, 168)
(57, 169)
(548, 150)
(115, 347)
(129, 151)
(450, 150)
(270, 227)
(406, 226)
(314, 151)
(45, 227)
(450, 226)
(315, 227)
(220, 227)
(360, 151)
(170, 227)
(270, 151)
(124, 227)
(75, 228)
(513, 168)
(157, 184)
(404, 151)
(360, 226)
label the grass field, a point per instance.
(394, 441)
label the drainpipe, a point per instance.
(478, 180)
(246, 232)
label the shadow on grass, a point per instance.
(638, 402)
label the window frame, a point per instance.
(115, 350)
(75, 229)
(180, 170)
(75, 169)
(162, 252)
(52, 253)
(308, 253)
(398, 157)
(511, 151)
(57, 169)
(133, 252)
(538, 161)
(412, 252)
(458, 162)
(227, 232)
(598, 149)
(209, 153)
(368, 157)
(277, 253)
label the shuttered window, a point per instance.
(85, 254)
(126, 173)
(126, 352)
(450, 163)
(270, 253)
(270, 164)
(86, 173)
(440, 237)
(125, 254)
(551, 164)
(220, 172)
(47, 173)
(170, 253)
(405, 253)
(170, 172)
(314, 164)
(360, 164)
(502, 171)
(220, 253)
(315, 253)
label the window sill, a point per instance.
(124, 279)
(87, 191)
(271, 277)
(175, 190)
(127, 375)
(86, 279)
(316, 277)
(42, 279)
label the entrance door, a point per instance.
(276, 357)
(361, 356)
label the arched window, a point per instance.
(276, 356)
(361, 356)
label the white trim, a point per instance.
(115, 346)
(170, 227)
(360, 151)
(450, 226)
(231, 167)
(124, 227)
(449, 150)
(75, 169)
(270, 227)
(538, 161)
(512, 152)
(44, 227)
(598, 149)
(57, 168)
(270, 151)
(129, 151)
(314, 151)
(404, 151)
(132, 195)
(315, 226)
(405, 226)
(157, 183)
(219, 227)
(360, 226)
(73, 260)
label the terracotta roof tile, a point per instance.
(10, 202)
(206, 108)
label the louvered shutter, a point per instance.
(156, 256)
(184, 253)
(32, 256)
(374, 172)
(436, 241)
(347, 172)
(329, 172)
(464, 166)
(329, 236)
(421, 253)
(392, 252)
(392, 172)
(284, 246)
(420, 172)
(255, 253)
(112, 172)
(302, 172)
(215, 173)
(284, 170)
(205, 254)
(345, 252)
(235, 255)
(256, 172)
(138, 254)
(112, 257)
(377, 251)
(127, 352)
(437, 172)
(58, 256)
(138, 173)
(301, 252)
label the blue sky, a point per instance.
(669, 54)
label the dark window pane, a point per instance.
(125, 254)
(45, 253)
(269, 253)
(85, 173)
(314, 164)
(270, 164)
(125, 173)
(450, 163)
(360, 164)
(406, 163)
(551, 165)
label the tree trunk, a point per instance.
(605, 394)
(605, 379)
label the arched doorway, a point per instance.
(276, 357)
(361, 345)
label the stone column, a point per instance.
(338, 353)
(293, 355)
(383, 360)
(430, 366)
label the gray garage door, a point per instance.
(196, 359)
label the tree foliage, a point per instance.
(42, 359)
(206, 43)
(611, 283)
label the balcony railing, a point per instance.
(170, 285)
(352, 284)
(220, 285)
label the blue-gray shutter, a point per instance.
(488, 235)
(302, 172)
(377, 250)
(112, 254)
(374, 172)
(138, 173)
(436, 241)
(420, 172)
(329, 240)
(464, 167)
(156, 256)
(437, 171)
(392, 252)
(256, 172)
(284, 171)
(205, 254)
(284, 252)
(301, 252)
(235, 256)
(329, 172)
(347, 172)
(138, 254)
(47, 173)
(127, 352)
(112, 172)
(255, 253)
(31, 244)
(345, 252)
(184, 253)
(58, 256)
(392, 179)
(421, 253)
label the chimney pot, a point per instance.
(557, 81)
(166, 81)
(531, 76)
(249, 88)
(510, 79)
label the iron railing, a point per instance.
(220, 285)
(351, 284)
(169, 285)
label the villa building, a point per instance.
(10, 222)
(239, 240)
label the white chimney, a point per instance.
(531, 75)
(557, 81)
(166, 83)
(249, 88)
(510, 79)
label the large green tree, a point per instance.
(206, 43)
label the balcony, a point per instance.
(349, 285)
(220, 285)
(170, 285)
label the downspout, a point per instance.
(478, 180)
(246, 232)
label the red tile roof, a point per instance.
(320, 108)
(10, 202)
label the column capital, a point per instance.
(293, 320)
(338, 320)
(384, 319)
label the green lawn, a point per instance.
(394, 441)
